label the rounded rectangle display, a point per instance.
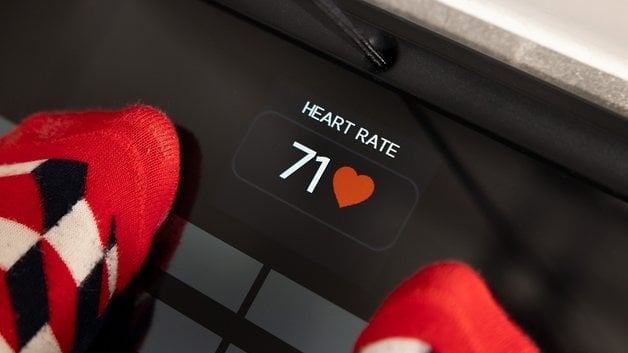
(348, 192)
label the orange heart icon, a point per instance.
(351, 188)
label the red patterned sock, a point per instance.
(444, 308)
(82, 195)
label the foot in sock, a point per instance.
(443, 308)
(82, 196)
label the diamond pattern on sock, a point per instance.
(4, 346)
(15, 240)
(44, 341)
(87, 316)
(80, 253)
(27, 289)
(7, 170)
(61, 184)
(53, 266)
(62, 297)
(111, 260)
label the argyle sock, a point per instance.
(81, 196)
(443, 308)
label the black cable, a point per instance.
(341, 20)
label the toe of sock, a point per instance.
(156, 140)
(449, 307)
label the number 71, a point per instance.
(309, 155)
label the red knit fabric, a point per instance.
(89, 190)
(24, 210)
(448, 306)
